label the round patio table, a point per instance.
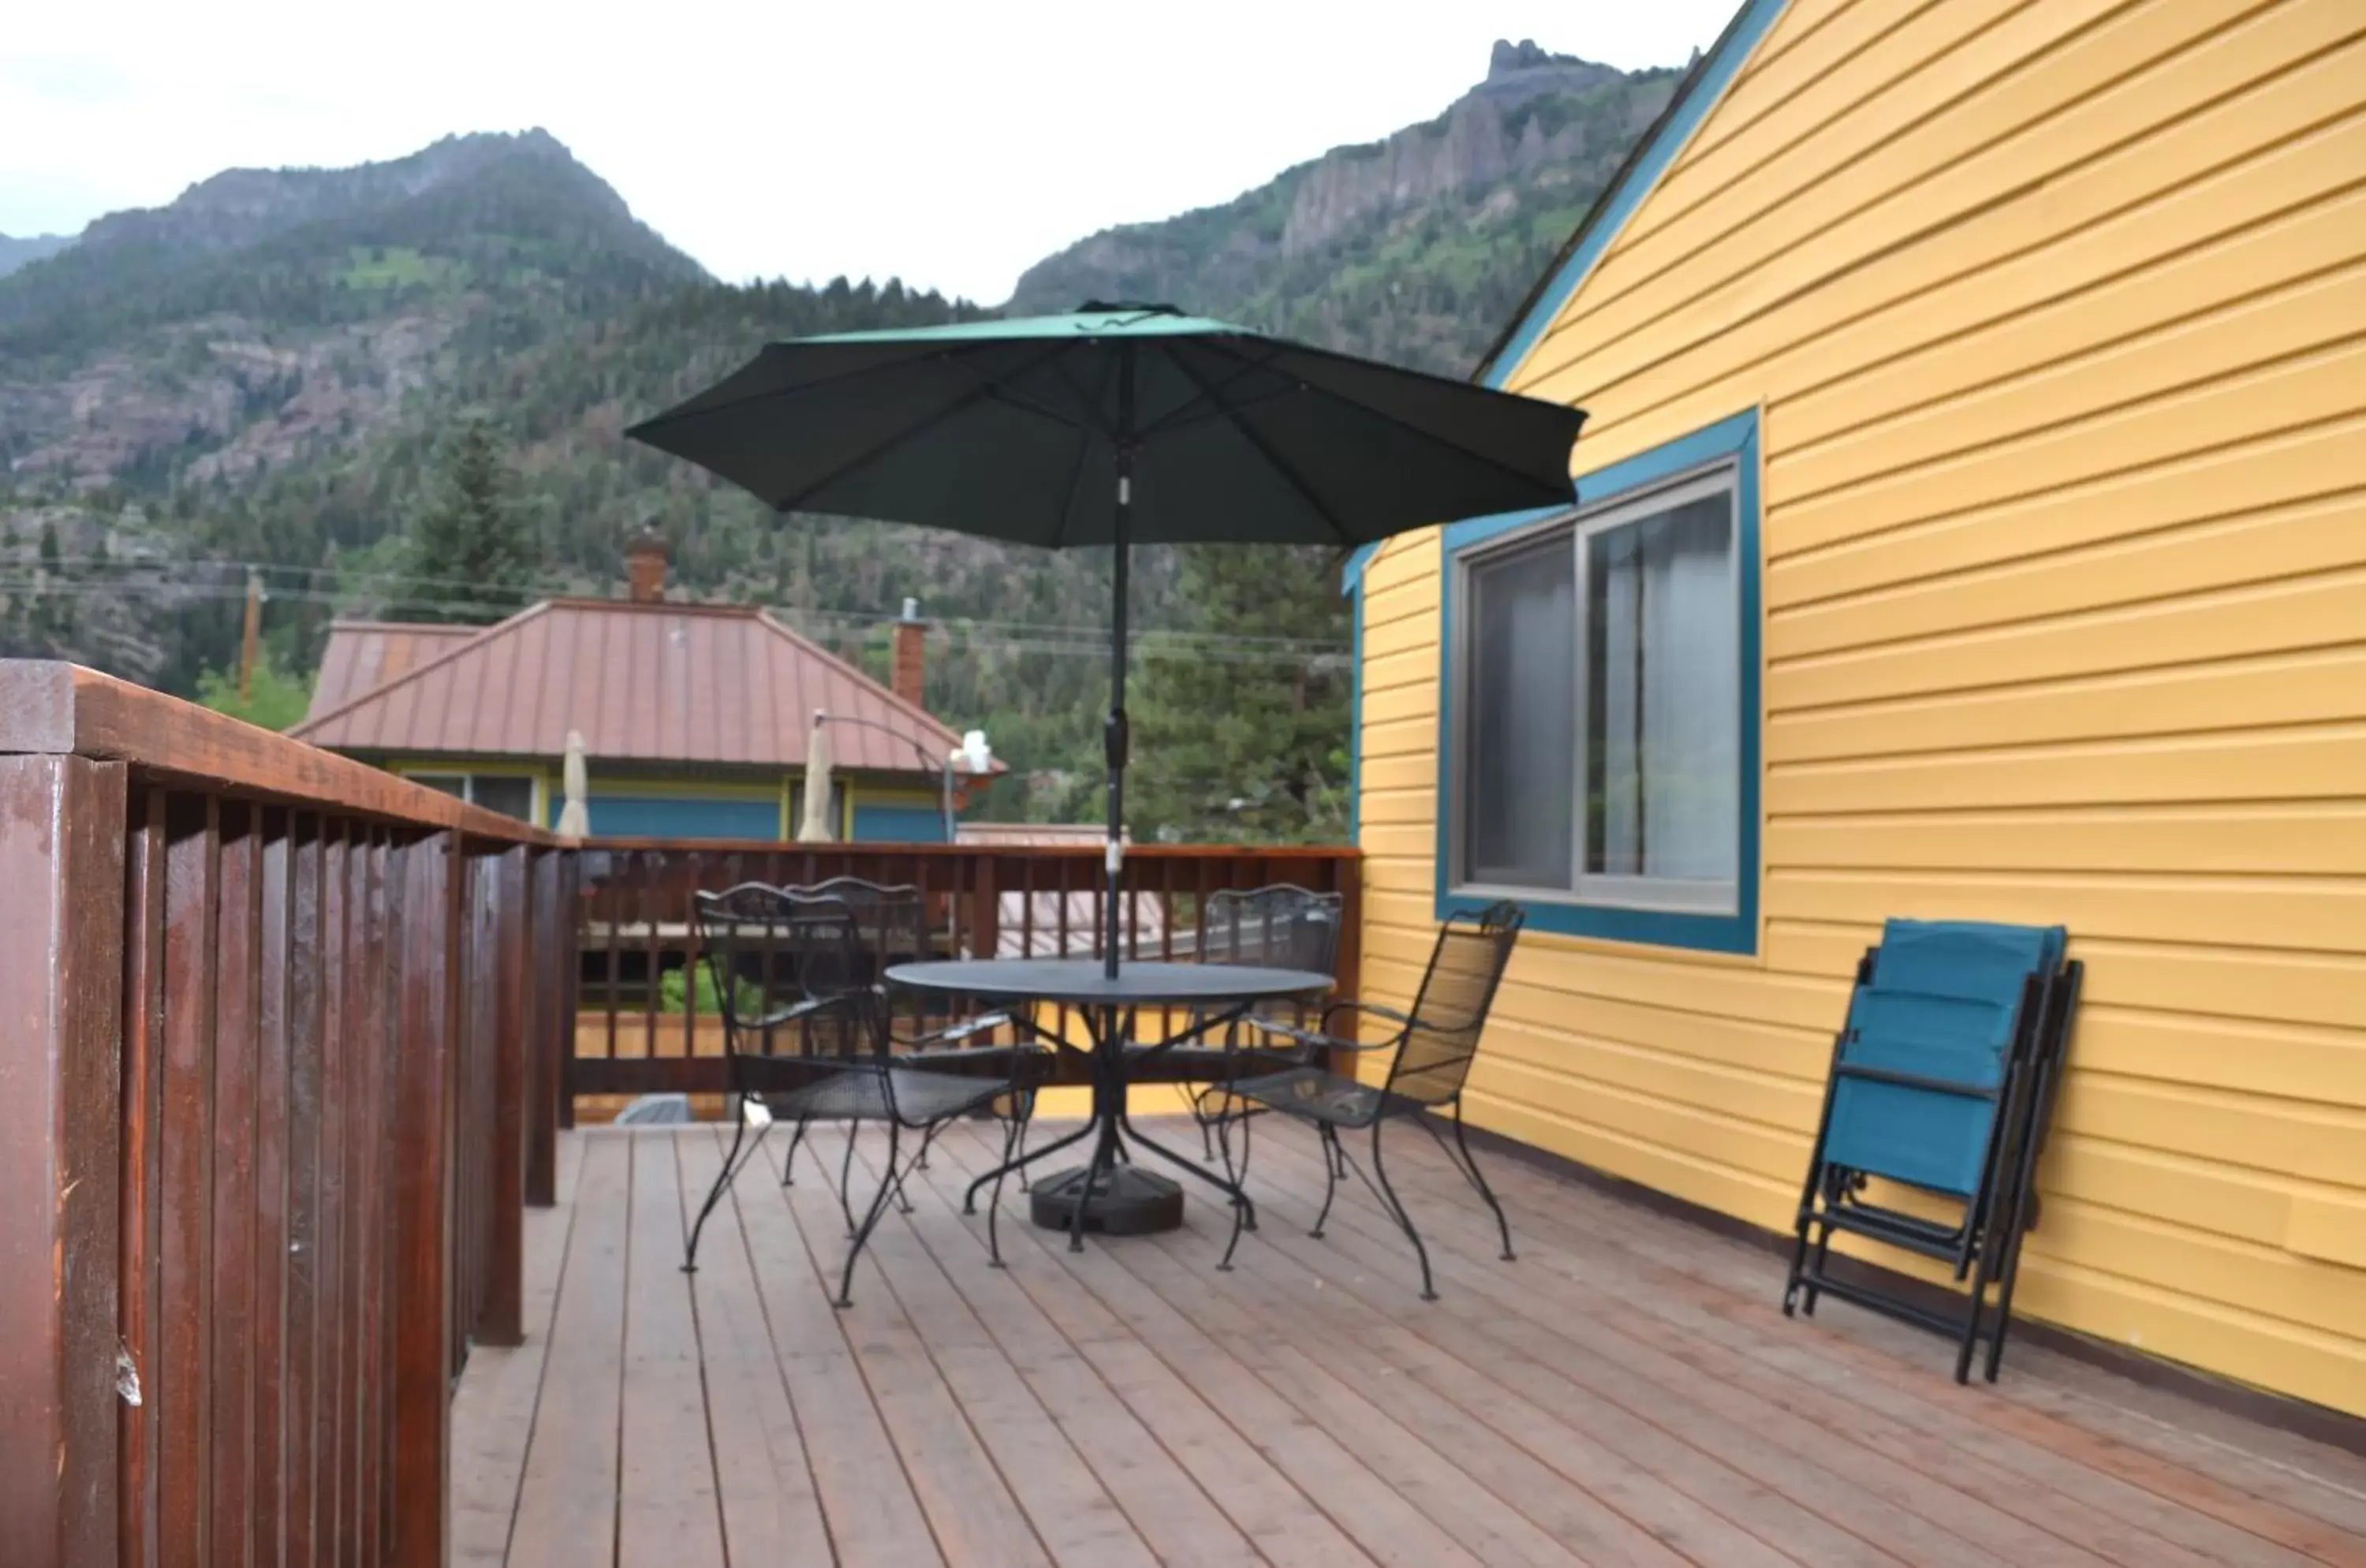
(1109, 1192)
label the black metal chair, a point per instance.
(891, 928)
(1431, 1049)
(1275, 927)
(807, 1037)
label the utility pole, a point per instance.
(249, 644)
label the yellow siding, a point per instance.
(2055, 314)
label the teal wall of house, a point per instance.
(679, 804)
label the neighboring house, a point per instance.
(696, 718)
(1971, 522)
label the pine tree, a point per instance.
(470, 555)
(1254, 746)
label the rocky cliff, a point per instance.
(1414, 247)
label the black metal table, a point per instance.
(1108, 1193)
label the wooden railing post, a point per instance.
(549, 927)
(432, 918)
(512, 967)
(61, 845)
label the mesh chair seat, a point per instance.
(1312, 1095)
(864, 1094)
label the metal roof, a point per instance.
(362, 654)
(643, 682)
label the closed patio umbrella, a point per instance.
(1117, 425)
(575, 816)
(814, 825)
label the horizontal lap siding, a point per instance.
(2056, 314)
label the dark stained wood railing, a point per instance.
(279, 1059)
(1032, 900)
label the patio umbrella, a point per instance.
(816, 827)
(1117, 425)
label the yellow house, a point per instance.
(1971, 523)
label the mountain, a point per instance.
(17, 253)
(1415, 249)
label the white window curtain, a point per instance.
(1663, 686)
(1523, 652)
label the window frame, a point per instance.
(1721, 917)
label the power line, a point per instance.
(1148, 645)
(361, 584)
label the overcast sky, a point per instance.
(950, 143)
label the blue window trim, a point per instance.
(1736, 439)
(1618, 204)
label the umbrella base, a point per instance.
(1124, 1201)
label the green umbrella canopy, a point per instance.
(1017, 430)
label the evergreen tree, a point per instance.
(1252, 748)
(470, 555)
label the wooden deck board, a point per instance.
(1625, 1393)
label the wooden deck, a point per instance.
(1626, 1393)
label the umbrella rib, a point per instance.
(682, 411)
(1084, 448)
(983, 391)
(1175, 419)
(1406, 425)
(1265, 449)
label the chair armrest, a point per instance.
(1316, 1039)
(1403, 1021)
(796, 1012)
(955, 1034)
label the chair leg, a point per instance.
(1026, 1182)
(1332, 1159)
(919, 1162)
(1011, 1133)
(1470, 1169)
(789, 1165)
(732, 1165)
(1244, 1217)
(1397, 1211)
(846, 1175)
(879, 1200)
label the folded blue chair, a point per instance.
(1942, 1080)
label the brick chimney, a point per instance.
(906, 667)
(645, 567)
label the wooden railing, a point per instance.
(278, 1066)
(632, 1037)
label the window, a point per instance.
(510, 794)
(1600, 699)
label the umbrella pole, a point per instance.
(1114, 736)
